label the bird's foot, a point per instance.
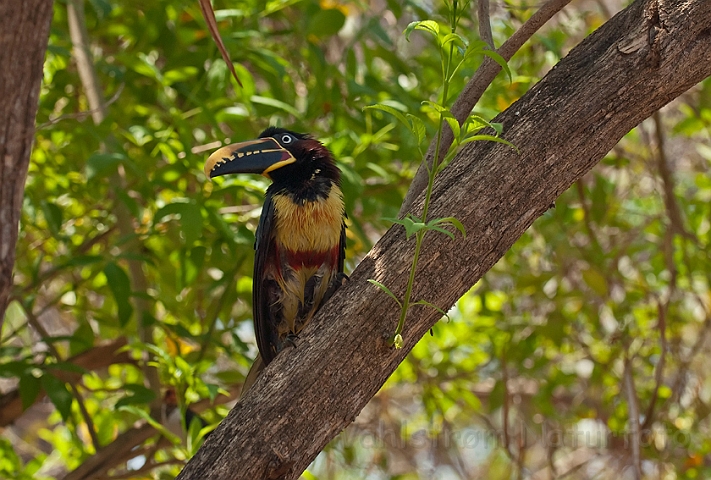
(290, 339)
(338, 281)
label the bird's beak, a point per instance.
(259, 156)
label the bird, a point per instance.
(300, 242)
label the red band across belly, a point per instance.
(298, 260)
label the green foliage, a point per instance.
(123, 240)
(420, 226)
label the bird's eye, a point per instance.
(286, 139)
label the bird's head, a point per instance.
(281, 155)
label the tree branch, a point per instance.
(485, 23)
(24, 32)
(633, 418)
(562, 127)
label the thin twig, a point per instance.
(82, 56)
(659, 369)
(145, 469)
(55, 270)
(667, 176)
(485, 23)
(505, 407)
(587, 217)
(37, 325)
(475, 89)
(633, 409)
(84, 114)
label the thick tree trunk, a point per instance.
(24, 32)
(644, 57)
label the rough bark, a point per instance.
(644, 57)
(24, 32)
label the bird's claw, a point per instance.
(291, 339)
(338, 281)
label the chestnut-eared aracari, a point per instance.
(301, 236)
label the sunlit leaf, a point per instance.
(429, 26)
(392, 111)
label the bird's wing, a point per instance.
(342, 246)
(263, 260)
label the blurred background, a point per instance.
(133, 276)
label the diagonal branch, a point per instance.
(562, 127)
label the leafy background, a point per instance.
(599, 313)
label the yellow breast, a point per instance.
(313, 226)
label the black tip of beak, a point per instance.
(256, 156)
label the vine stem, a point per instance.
(420, 235)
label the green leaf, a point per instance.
(102, 7)
(488, 138)
(411, 225)
(212, 391)
(442, 230)
(449, 221)
(596, 281)
(83, 260)
(476, 122)
(193, 434)
(453, 124)
(53, 216)
(278, 104)
(435, 106)
(14, 368)
(191, 223)
(174, 208)
(120, 286)
(429, 26)
(498, 127)
(102, 164)
(392, 111)
(29, 389)
(326, 22)
(500, 60)
(432, 305)
(59, 394)
(147, 417)
(140, 395)
(66, 366)
(386, 290)
(417, 127)
(455, 38)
